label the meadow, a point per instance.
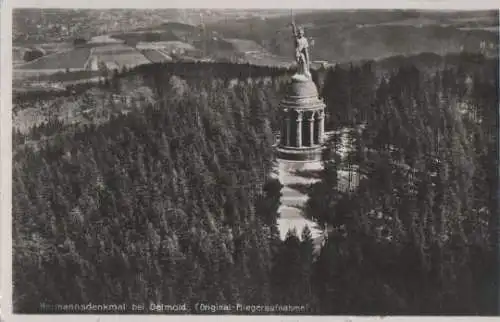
(335, 37)
(119, 55)
(155, 56)
(75, 58)
(167, 45)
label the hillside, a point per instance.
(186, 216)
(33, 26)
(74, 59)
(154, 186)
(341, 36)
(335, 37)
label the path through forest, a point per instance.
(296, 177)
(293, 176)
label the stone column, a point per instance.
(311, 128)
(299, 129)
(287, 129)
(321, 132)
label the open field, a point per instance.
(245, 45)
(25, 74)
(116, 56)
(17, 55)
(48, 48)
(266, 59)
(155, 56)
(339, 37)
(113, 49)
(66, 77)
(75, 58)
(492, 29)
(170, 31)
(55, 47)
(128, 60)
(168, 46)
(105, 39)
(150, 36)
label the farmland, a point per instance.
(104, 39)
(244, 45)
(47, 48)
(336, 37)
(114, 49)
(117, 56)
(267, 59)
(168, 46)
(17, 55)
(123, 60)
(73, 59)
(155, 56)
(135, 37)
(55, 47)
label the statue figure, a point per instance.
(301, 51)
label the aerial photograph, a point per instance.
(255, 162)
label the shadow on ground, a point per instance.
(310, 174)
(301, 187)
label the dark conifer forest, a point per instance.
(173, 201)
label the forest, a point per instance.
(419, 233)
(172, 202)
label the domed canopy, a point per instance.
(302, 94)
(301, 88)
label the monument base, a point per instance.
(304, 154)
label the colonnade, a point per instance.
(303, 125)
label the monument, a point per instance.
(303, 112)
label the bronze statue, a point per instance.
(301, 51)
